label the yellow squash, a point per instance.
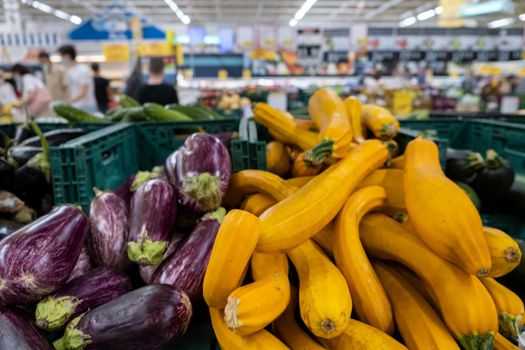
(324, 299)
(397, 163)
(370, 300)
(306, 124)
(353, 111)
(441, 212)
(393, 147)
(302, 167)
(304, 213)
(328, 112)
(358, 335)
(420, 326)
(286, 329)
(257, 203)
(228, 340)
(392, 181)
(325, 239)
(277, 160)
(380, 121)
(500, 343)
(509, 305)
(230, 255)
(252, 307)
(464, 303)
(268, 264)
(283, 128)
(504, 251)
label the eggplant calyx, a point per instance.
(477, 341)
(476, 161)
(140, 178)
(494, 161)
(215, 215)
(75, 339)
(205, 189)
(53, 313)
(319, 153)
(147, 252)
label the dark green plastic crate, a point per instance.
(248, 152)
(9, 129)
(104, 158)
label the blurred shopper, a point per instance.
(55, 77)
(134, 81)
(103, 92)
(35, 97)
(156, 90)
(81, 92)
(8, 99)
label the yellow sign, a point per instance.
(179, 54)
(116, 52)
(222, 74)
(450, 16)
(522, 72)
(246, 73)
(402, 103)
(155, 49)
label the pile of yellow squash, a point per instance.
(377, 245)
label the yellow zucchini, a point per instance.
(301, 215)
(500, 343)
(230, 255)
(268, 264)
(504, 252)
(370, 300)
(392, 181)
(324, 299)
(277, 160)
(397, 162)
(380, 121)
(353, 110)
(302, 167)
(325, 239)
(257, 203)
(465, 305)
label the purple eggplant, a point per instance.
(200, 171)
(108, 216)
(82, 265)
(153, 214)
(37, 259)
(18, 332)
(96, 287)
(146, 272)
(146, 318)
(124, 190)
(185, 268)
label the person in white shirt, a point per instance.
(8, 99)
(81, 91)
(35, 96)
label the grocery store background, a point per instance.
(289, 45)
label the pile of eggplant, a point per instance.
(125, 275)
(25, 187)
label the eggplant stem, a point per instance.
(494, 161)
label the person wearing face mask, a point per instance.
(81, 92)
(55, 77)
(35, 96)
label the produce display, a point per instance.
(340, 243)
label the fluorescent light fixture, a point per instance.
(303, 10)
(501, 22)
(485, 8)
(173, 6)
(51, 10)
(438, 10)
(407, 22)
(212, 40)
(182, 39)
(522, 17)
(423, 16)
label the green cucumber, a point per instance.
(195, 113)
(157, 113)
(126, 101)
(75, 115)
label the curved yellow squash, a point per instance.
(304, 213)
(465, 305)
(380, 121)
(509, 305)
(419, 325)
(370, 300)
(257, 203)
(392, 181)
(324, 298)
(504, 251)
(325, 239)
(228, 340)
(268, 264)
(230, 255)
(358, 335)
(441, 212)
(501, 343)
(353, 110)
(252, 307)
(277, 160)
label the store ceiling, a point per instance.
(324, 12)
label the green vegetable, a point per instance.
(470, 193)
(75, 115)
(126, 101)
(195, 113)
(157, 113)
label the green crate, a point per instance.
(9, 129)
(248, 152)
(103, 159)
(406, 135)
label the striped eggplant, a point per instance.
(153, 214)
(96, 287)
(37, 259)
(146, 318)
(82, 265)
(107, 242)
(200, 171)
(18, 332)
(185, 268)
(146, 272)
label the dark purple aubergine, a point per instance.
(37, 259)
(18, 332)
(124, 190)
(82, 265)
(200, 171)
(96, 287)
(225, 137)
(146, 318)
(107, 242)
(152, 219)
(185, 268)
(146, 272)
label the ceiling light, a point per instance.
(51, 10)
(407, 22)
(173, 6)
(307, 5)
(293, 22)
(522, 17)
(501, 22)
(423, 16)
(438, 10)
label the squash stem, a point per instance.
(477, 342)
(509, 325)
(319, 153)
